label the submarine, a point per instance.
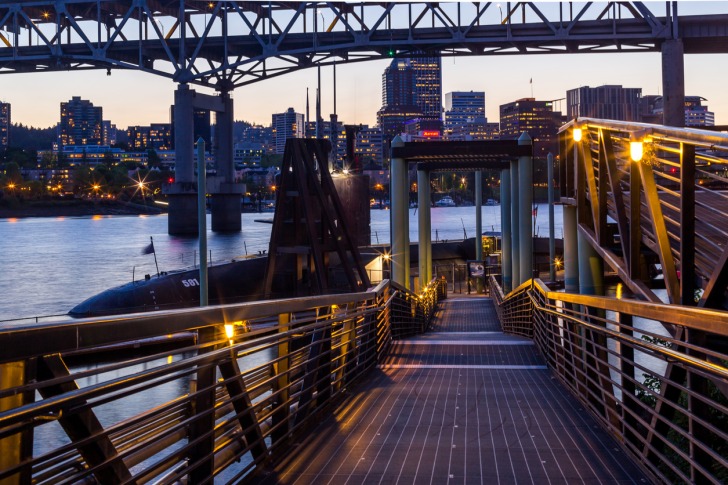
(229, 282)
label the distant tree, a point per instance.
(12, 173)
(31, 138)
(153, 159)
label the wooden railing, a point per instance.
(188, 395)
(662, 397)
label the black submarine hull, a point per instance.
(231, 282)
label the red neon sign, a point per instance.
(430, 134)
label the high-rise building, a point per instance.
(608, 102)
(157, 136)
(537, 118)
(287, 125)
(5, 121)
(340, 148)
(81, 123)
(411, 88)
(465, 116)
(428, 85)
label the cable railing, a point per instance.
(188, 395)
(663, 396)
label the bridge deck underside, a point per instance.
(463, 404)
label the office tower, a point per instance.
(287, 125)
(697, 115)
(465, 116)
(5, 121)
(411, 88)
(608, 102)
(536, 118)
(81, 123)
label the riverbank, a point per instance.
(76, 208)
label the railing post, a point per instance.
(281, 384)
(16, 448)
(202, 428)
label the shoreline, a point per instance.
(77, 208)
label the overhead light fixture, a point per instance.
(577, 134)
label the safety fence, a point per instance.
(188, 395)
(654, 375)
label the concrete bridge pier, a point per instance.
(506, 245)
(226, 196)
(673, 83)
(182, 194)
(591, 269)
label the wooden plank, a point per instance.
(658, 225)
(83, 425)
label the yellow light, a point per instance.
(636, 150)
(229, 330)
(386, 256)
(577, 134)
(619, 291)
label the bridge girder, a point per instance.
(229, 44)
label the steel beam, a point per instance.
(687, 224)
(525, 231)
(515, 227)
(425, 236)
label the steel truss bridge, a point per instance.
(229, 44)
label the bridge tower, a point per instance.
(226, 194)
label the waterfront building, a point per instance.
(81, 123)
(263, 136)
(537, 118)
(248, 152)
(109, 132)
(368, 146)
(286, 125)
(91, 155)
(157, 136)
(5, 122)
(610, 102)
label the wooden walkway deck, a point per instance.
(463, 404)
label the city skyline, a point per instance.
(504, 79)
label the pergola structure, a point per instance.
(511, 157)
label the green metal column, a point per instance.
(506, 263)
(406, 224)
(591, 269)
(202, 218)
(398, 215)
(425, 237)
(525, 231)
(552, 237)
(571, 251)
(515, 227)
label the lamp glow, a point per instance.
(636, 150)
(229, 331)
(577, 134)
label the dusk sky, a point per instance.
(135, 98)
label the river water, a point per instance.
(49, 265)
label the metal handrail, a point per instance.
(662, 396)
(693, 136)
(216, 404)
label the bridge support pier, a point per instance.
(515, 227)
(423, 226)
(182, 217)
(673, 83)
(399, 218)
(226, 197)
(525, 231)
(506, 248)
